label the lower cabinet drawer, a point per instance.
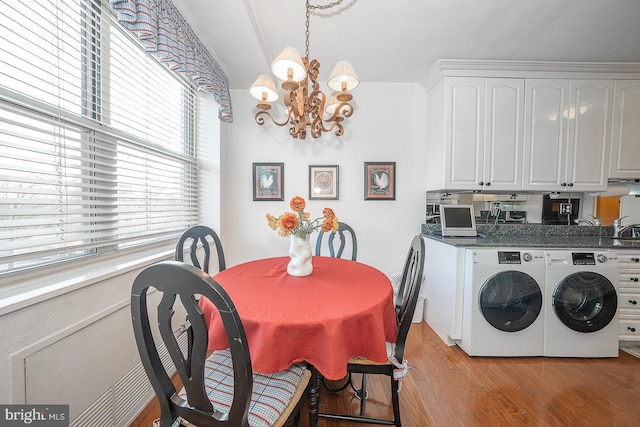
(629, 303)
(630, 279)
(629, 329)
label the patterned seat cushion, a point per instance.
(271, 392)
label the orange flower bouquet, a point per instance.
(299, 222)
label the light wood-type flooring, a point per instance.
(448, 388)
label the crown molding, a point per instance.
(530, 69)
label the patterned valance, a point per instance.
(163, 31)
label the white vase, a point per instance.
(300, 253)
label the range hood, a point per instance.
(619, 188)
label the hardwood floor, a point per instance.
(448, 388)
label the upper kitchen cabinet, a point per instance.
(474, 131)
(503, 136)
(566, 139)
(625, 135)
(505, 126)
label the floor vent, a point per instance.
(132, 389)
(118, 405)
(99, 414)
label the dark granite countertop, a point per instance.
(536, 236)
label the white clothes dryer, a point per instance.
(502, 302)
(581, 308)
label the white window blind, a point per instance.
(97, 138)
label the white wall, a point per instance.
(388, 124)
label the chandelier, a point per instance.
(306, 106)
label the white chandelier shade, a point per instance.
(288, 66)
(264, 89)
(343, 77)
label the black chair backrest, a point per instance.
(408, 292)
(198, 234)
(342, 229)
(176, 279)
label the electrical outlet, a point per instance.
(495, 208)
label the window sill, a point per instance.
(32, 291)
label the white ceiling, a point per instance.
(400, 40)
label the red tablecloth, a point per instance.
(343, 309)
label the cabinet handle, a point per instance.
(564, 184)
(570, 184)
(631, 329)
(635, 259)
(633, 302)
(481, 183)
(487, 184)
(634, 279)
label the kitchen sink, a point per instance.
(623, 238)
(623, 241)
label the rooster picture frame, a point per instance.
(379, 180)
(268, 182)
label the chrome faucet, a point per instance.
(583, 221)
(596, 221)
(619, 229)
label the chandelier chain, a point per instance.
(320, 7)
(325, 6)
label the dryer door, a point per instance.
(585, 301)
(510, 300)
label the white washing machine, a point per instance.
(581, 303)
(502, 302)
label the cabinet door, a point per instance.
(589, 118)
(464, 130)
(504, 116)
(625, 135)
(545, 134)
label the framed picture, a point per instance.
(323, 182)
(268, 181)
(379, 180)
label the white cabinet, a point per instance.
(510, 126)
(504, 119)
(566, 134)
(475, 134)
(629, 296)
(625, 135)
(463, 131)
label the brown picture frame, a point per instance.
(268, 182)
(324, 182)
(379, 180)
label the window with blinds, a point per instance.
(97, 138)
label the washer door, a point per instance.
(510, 300)
(585, 301)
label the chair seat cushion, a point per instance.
(271, 394)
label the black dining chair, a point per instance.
(405, 306)
(200, 235)
(220, 390)
(342, 238)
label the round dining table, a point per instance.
(342, 310)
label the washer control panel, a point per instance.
(583, 258)
(509, 257)
(589, 258)
(514, 257)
